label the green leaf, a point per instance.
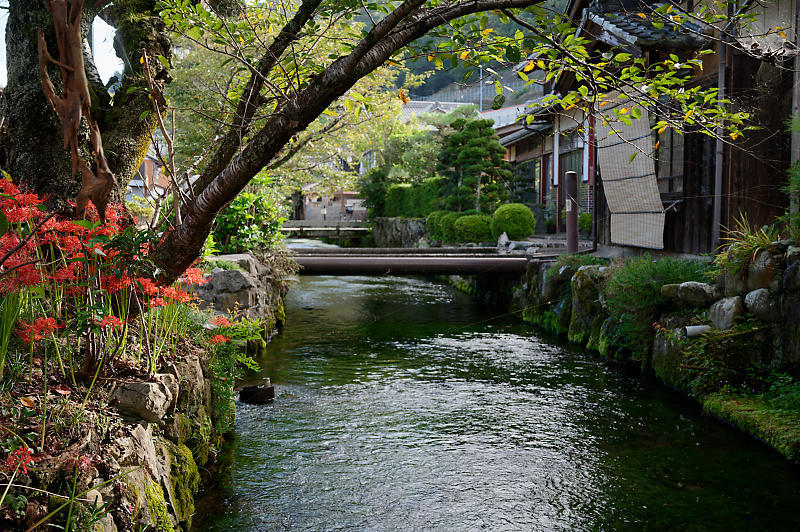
(86, 224)
(584, 90)
(164, 61)
(194, 33)
(636, 113)
(498, 101)
(144, 115)
(633, 156)
(4, 225)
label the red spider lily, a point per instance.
(155, 302)
(221, 321)
(32, 333)
(114, 284)
(219, 339)
(21, 458)
(193, 276)
(111, 321)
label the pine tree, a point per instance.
(473, 161)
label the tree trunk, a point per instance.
(33, 143)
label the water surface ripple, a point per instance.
(404, 405)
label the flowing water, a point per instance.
(404, 405)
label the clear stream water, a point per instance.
(404, 405)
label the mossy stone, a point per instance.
(184, 480)
(157, 507)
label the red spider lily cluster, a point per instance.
(219, 339)
(21, 458)
(76, 257)
(42, 328)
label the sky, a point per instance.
(105, 58)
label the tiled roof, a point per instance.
(522, 134)
(414, 108)
(632, 28)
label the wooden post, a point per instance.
(571, 186)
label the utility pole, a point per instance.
(480, 85)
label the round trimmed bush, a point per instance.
(514, 219)
(473, 228)
(446, 224)
(432, 224)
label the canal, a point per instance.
(404, 405)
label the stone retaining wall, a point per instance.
(399, 233)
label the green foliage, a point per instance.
(433, 224)
(633, 296)
(473, 228)
(252, 221)
(447, 226)
(399, 200)
(373, 186)
(428, 195)
(473, 161)
(585, 222)
(514, 219)
(741, 243)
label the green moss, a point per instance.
(280, 312)
(184, 480)
(780, 429)
(200, 436)
(157, 507)
(183, 427)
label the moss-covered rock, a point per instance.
(780, 429)
(184, 481)
(157, 507)
(585, 307)
(199, 439)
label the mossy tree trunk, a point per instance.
(33, 144)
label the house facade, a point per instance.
(681, 190)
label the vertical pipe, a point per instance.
(571, 186)
(720, 148)
(795, 153)
(556, 170)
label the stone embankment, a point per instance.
(748, 320)
(400, 233)
(173, 426)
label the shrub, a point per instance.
(446, 226)
(585, 222)
(433, 224)
(473, 228)
(372, 187)
(742, 243)
(634, 300)
(428, 195)
(252, 222)
(514, 219)
(398, 199)
(575, 261)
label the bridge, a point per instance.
(431, 261)
(321, 229)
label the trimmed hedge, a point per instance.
(433, 224)
(397, 199)
(413, 201)
(514, 219)
(473, 228)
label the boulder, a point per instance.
(250, 289)
(398, 232)
(503, 242)
(734, 283)
(149, 401)
(670, 291)
(694, 294)
(762, 270)
(725, 311)
(520, 245)
(792, 255)
(554, 282)
(762, 304)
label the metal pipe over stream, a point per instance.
(431, 265)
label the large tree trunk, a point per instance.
(33, 142)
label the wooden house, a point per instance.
(692, 185)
